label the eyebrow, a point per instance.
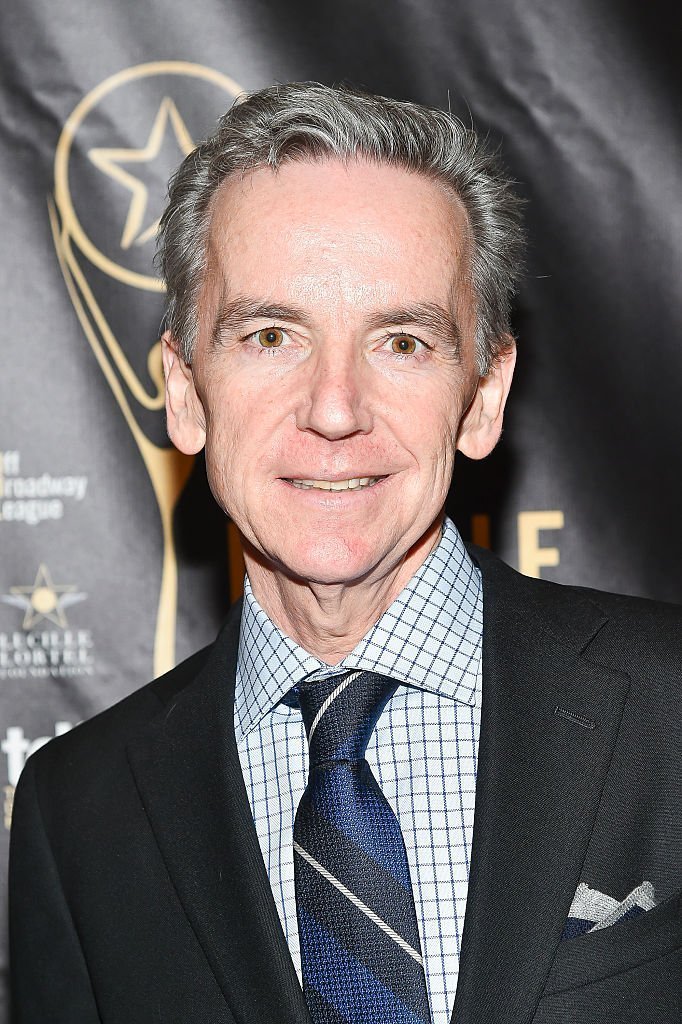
(424, 314)
(237, 312)
(240, 310)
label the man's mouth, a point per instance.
(355, 483)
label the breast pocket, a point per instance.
(623, 946)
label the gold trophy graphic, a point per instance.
(105, 267)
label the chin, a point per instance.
(332, 560)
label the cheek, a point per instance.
(225, 437)
(429, 429)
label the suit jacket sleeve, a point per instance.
(49, 975)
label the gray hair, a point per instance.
(307, 122)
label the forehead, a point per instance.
(360, 231)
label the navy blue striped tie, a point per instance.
(360, 952)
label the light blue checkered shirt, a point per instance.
(423, 750)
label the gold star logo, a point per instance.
(43, 599)
(109, 162)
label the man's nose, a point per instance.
(335, 400)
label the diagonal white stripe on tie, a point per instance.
(330, 699)
(359, 904)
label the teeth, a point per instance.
(353, 484)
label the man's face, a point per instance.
(334, 374)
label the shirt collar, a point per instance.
(430, 637)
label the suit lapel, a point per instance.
(189, 777)
(540, 776)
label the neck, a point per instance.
(329, 620)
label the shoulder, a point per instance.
(634, 633)
(97, 747)
(94, 752)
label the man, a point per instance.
(281, 829)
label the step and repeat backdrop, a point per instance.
(114, 561)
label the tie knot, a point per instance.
(340, 714)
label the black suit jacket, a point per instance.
(138, 887)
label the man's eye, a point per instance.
(270, 337)
(404, 344)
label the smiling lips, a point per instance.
(354, 484)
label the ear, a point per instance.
(185, 419)
(481, 425)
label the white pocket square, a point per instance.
(592, 910)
